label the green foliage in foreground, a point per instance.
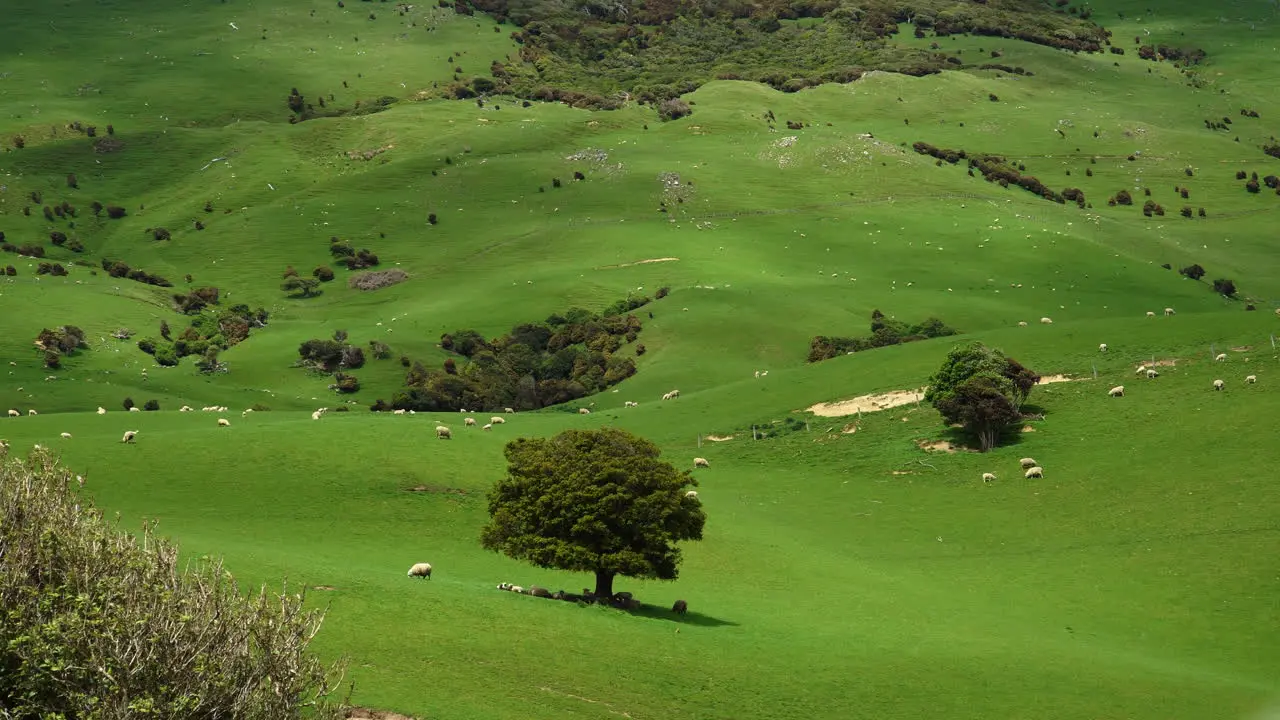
(597, 501)
(98, 624)
(982, 389)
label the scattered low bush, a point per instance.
(884, 332)
(1195, 272)
(1225, 287)
(151, 405)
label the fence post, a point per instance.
(753, 433)
(806, 426)
(1273, 342)
(1095, 371)
(699, 440)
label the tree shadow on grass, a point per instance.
(653, 612)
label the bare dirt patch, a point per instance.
(1242, 348)
(936, 446)
(436, 489)
(849, 429)
(719, 438)
(324, 587)
(867, 403)
(1051, 379)
(638, 262)
(361, 713)
(1028, 428)
(377, 279)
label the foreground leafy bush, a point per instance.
(96, 623)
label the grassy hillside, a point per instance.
(843, 574)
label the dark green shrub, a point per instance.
(115, 212)
(1225, 287)
(128, 403)
(1195, 272)
(324, 273)
(151, 405)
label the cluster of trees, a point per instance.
(981, 389)
(996, 169)
(119, 269)
(344, 254)
(336, 355)
(54, 269)
(1178, 56)
(100, 622)
(536, 365)
(884, 332)
(35, 251)
(1222, 286)
(1251, 181)
(589, 56)
(60, 341)
(211, 331)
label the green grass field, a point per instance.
(842, 575)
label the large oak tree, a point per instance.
(598, 501)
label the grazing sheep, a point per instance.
(1034, 472)
(1152, 374)
(1102, 347)
(398, 412)
(444, 433)
(315, 415)
(1027, 462)
(1141, 369)
(66, 436)
(1220, 357)
(102, 411)
(680, 607)
(185, 408)
(129, 436)
(1117, 391)
(988, 477)
(495, 420)
(583, 411)
(135, 408)
(1150, 314)
(701, 462)
(1169, 311)
(223, 422)
(1022, 323)
(14, 413)
(509, 411)
(32, 413)
(1251, 379)
(666, 396)
(469, 422)
(422, 570)
(692, 494)
(486, 427)
(539, 591)
(629, 404)
(675, 394)
(516, 589)
(1046, 321)
(1218, 384)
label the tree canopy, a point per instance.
(982, 389)
(598, 501)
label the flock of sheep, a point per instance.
(622, 600)
(1031, 469)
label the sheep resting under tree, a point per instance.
(598, 501)
(982, 389)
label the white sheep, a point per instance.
(509, 411)
(469, 422)
(129, 435)
(66, 436)
(422, 570)
(32, 413)
(398, 412)
(14, 413)
(1117, 391)
(692, 494)
(444, 433)
(315, 415)
(1152, 374)
(1220, 357)
(1218, 384)
(701, 462)
(1150, 314)
(102, 410)
(1251, 379)
(1141, 369)
(223, 422)
(487, 426)
(1102, 347)
(185, 408)
(988, 477)
(1046, 321)
(135, 408)
(1027, 462)
(583, 411)
(757, 374)
(515, 588)
(628, 404)
(1168, 312)
(495, 420)
(675, 394)
(1022, 323)
(1034, 472)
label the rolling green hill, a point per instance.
(846, 571)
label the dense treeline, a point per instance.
(884, 332)
(658, 49)
(561, 359)
(996, 169)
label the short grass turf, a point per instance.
(842, 574)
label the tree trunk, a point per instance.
(604, 584)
